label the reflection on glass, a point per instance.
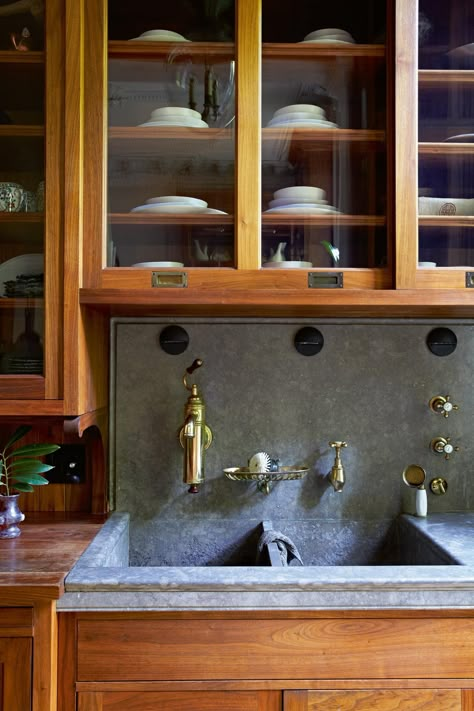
(446, 134)
(21, 189)
(324, 168)
(171, 135)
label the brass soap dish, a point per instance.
(264, 479)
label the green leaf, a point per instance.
(23, 487)
(35, 450)
(24, 466)
(18, 434)
(31, 478)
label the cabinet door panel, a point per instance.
(374, 700)
(15, 674)
(179, 700)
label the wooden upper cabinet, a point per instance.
(188, 145)
(31, 200)
(378, 700)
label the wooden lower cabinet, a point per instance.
(379, 700)
(15, 674)
(179, 701)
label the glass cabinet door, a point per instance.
(325, 156)
(171, 121)
(446, 141)
(22, 186)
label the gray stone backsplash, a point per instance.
(370, 386)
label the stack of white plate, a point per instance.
(300, 116)
(300, 199)
(331, 35)
(176, 205)
(175, 116)
(161, 36)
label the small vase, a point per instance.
(10, 516)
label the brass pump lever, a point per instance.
(195, 436)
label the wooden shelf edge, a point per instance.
(78, 425)
(11, 56)
(382, 303)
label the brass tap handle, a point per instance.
(439, 486)
(442, 405)
(189, 371)
(338, 446)
(442, 445)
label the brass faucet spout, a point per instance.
(337, 476)
(194, 436)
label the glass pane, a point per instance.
(171, 134)
(324, 167)
(21, 194)
(446, 148)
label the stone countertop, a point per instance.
(102, 580)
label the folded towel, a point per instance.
(287, 549)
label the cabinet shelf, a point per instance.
(328, 136)
(444, 78)
(13, 57)
(445, 149)
(16, 131)
(140, 141)
(446, 221)
(21, 303)
(185, 220)
(319, 50)
(325, 220)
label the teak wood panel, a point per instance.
(15, 674)
(155, 649)
(16, 622)
(180, 700)
(374, 700)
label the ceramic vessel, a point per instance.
(10, 516)
(11, 197)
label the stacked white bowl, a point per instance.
(175, 116)
(176, 205)
(300, 199)
(300, 116)
(160, 36)
(332, 35)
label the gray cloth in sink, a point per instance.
(287, 549)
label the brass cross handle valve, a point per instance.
(442, 405)
(195, 436)
(442, 445)
(336, 475)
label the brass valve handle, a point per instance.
(442, 445)
(442, 405)
(189, 371)
(338, 446)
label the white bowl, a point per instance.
(334, 32)
(174, 111)
(177, 200)
(280, 122)
(301, 191)
(161, 33)
(187, 122)
(285, 202)
(445, 206)
(327, 40)
(316, 111)
(298, 116)
(287, 265)
(426, 265)
(160, 265)
(168, 208)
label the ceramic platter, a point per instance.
(189, 123)
(289, 202)
(26, 264)
(462, 138)
(287, 265)
(176, 200)
(160, 36)
(158, 265)
(326, 40)
(304, 123)
(303, 210)
(213, 211)
(169, 209)
(466, 50)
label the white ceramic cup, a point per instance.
(426, 265)
(11, 197)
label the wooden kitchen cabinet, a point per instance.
(16, 658)
(178, 700)
(379, 700)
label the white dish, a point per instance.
(329, 32)
(462, 138)
(174, 111)
(426, 265)
(308, 123)
(177, 199)
(303, 210)
(307, 192)
(158, 265)
(289, 202)
(170, 208)
(298, 108)
(287, 265)
(27, 264)
(213, 211)
(166, 35)
(327, 40)
(159, 38)
(465, 50)
(298, 116)
(187, 123)
(445, 206)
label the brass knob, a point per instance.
(439, 486)
(442, 405)
(442, 445)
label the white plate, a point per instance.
(170, 208)
(297, 108)
(462, 138)
(158, 265)
(465, 50)
(163, 35)
(327, 40)
(301, 191)
(289, 202)
(298, 116)
(27, 264)
(287, 265)
(163, 111)
(303, 210)
(213, 211)
(188, 123)
(329, 32)
(176, 199)
(308, 123)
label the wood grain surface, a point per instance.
(374, 700)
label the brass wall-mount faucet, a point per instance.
(336, 475)
(195, 436)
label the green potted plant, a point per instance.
(20, 471)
